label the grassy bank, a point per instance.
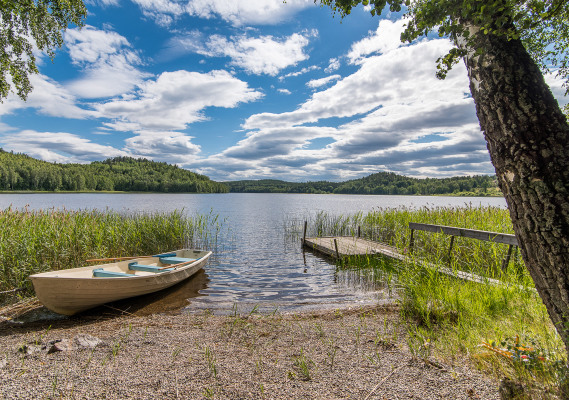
(38, 241)
(448, 318)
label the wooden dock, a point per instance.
(344, 246)
(339, 247)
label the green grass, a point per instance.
(44, 240)
(450, 319)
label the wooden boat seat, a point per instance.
(134, 266)
(175, 260)
(101, 273)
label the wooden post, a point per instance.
(450, 248)
(304, 235)
(359, 231)
(507, 259)
(411, 242)
(336, 245)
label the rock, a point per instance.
(81, 341)
(60, 345)
(86, 341)
(510, 390)
(28, 349)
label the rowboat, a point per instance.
(71, 291)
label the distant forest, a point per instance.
(379, 183)
(21, 172)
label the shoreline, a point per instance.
(362, 352)
(465, 194)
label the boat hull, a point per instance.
(69, 292)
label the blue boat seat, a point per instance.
(175, 260)
(165, 255)
(147, 268)
(101, 273)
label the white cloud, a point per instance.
(174, 100)
(49, 98)
(102, 3)
(107, 60)
(92, 45)
(256, 55)
(298, 73)
(333, 65)
(555, 83)
(399, 117)
(383, 40)
(236, 12)
(316, 83)
(57, 146)
(407, 74)
(173, 147)
(284, 91)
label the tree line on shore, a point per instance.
(19, 172)
(379, 183)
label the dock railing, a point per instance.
(495, 237)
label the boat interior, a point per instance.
(145, 266)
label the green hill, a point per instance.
(21, 172)
(379, 183)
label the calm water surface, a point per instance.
(255, 264)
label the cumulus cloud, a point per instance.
(173, 147)
(333, 65)
(57, 146)
(556, 85)
(236, 12)
(303, 71)
(383, 40)
(174, 100)
(316, 83)
(102, 3)
(380, 80)
(284, 91)
(256, 55)
(107, 60)
(261, 55)
(391, 106)
(49, 98)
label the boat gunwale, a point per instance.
(49, 274)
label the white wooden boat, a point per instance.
(74, 290)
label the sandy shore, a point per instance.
(349, 354)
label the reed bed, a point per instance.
(447, 317)
(391, 226)
(33, 241)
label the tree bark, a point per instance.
(528, 140)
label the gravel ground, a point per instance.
(343, 354)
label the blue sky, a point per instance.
(241, 89)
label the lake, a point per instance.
(255, 265)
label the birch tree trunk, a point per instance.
(528, 140)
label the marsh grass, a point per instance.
(33, 241)
(447, 318)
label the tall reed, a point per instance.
(455, 317)
(391, 226)
(42, 240)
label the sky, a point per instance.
(241, 89)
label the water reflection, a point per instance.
(168, 300)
